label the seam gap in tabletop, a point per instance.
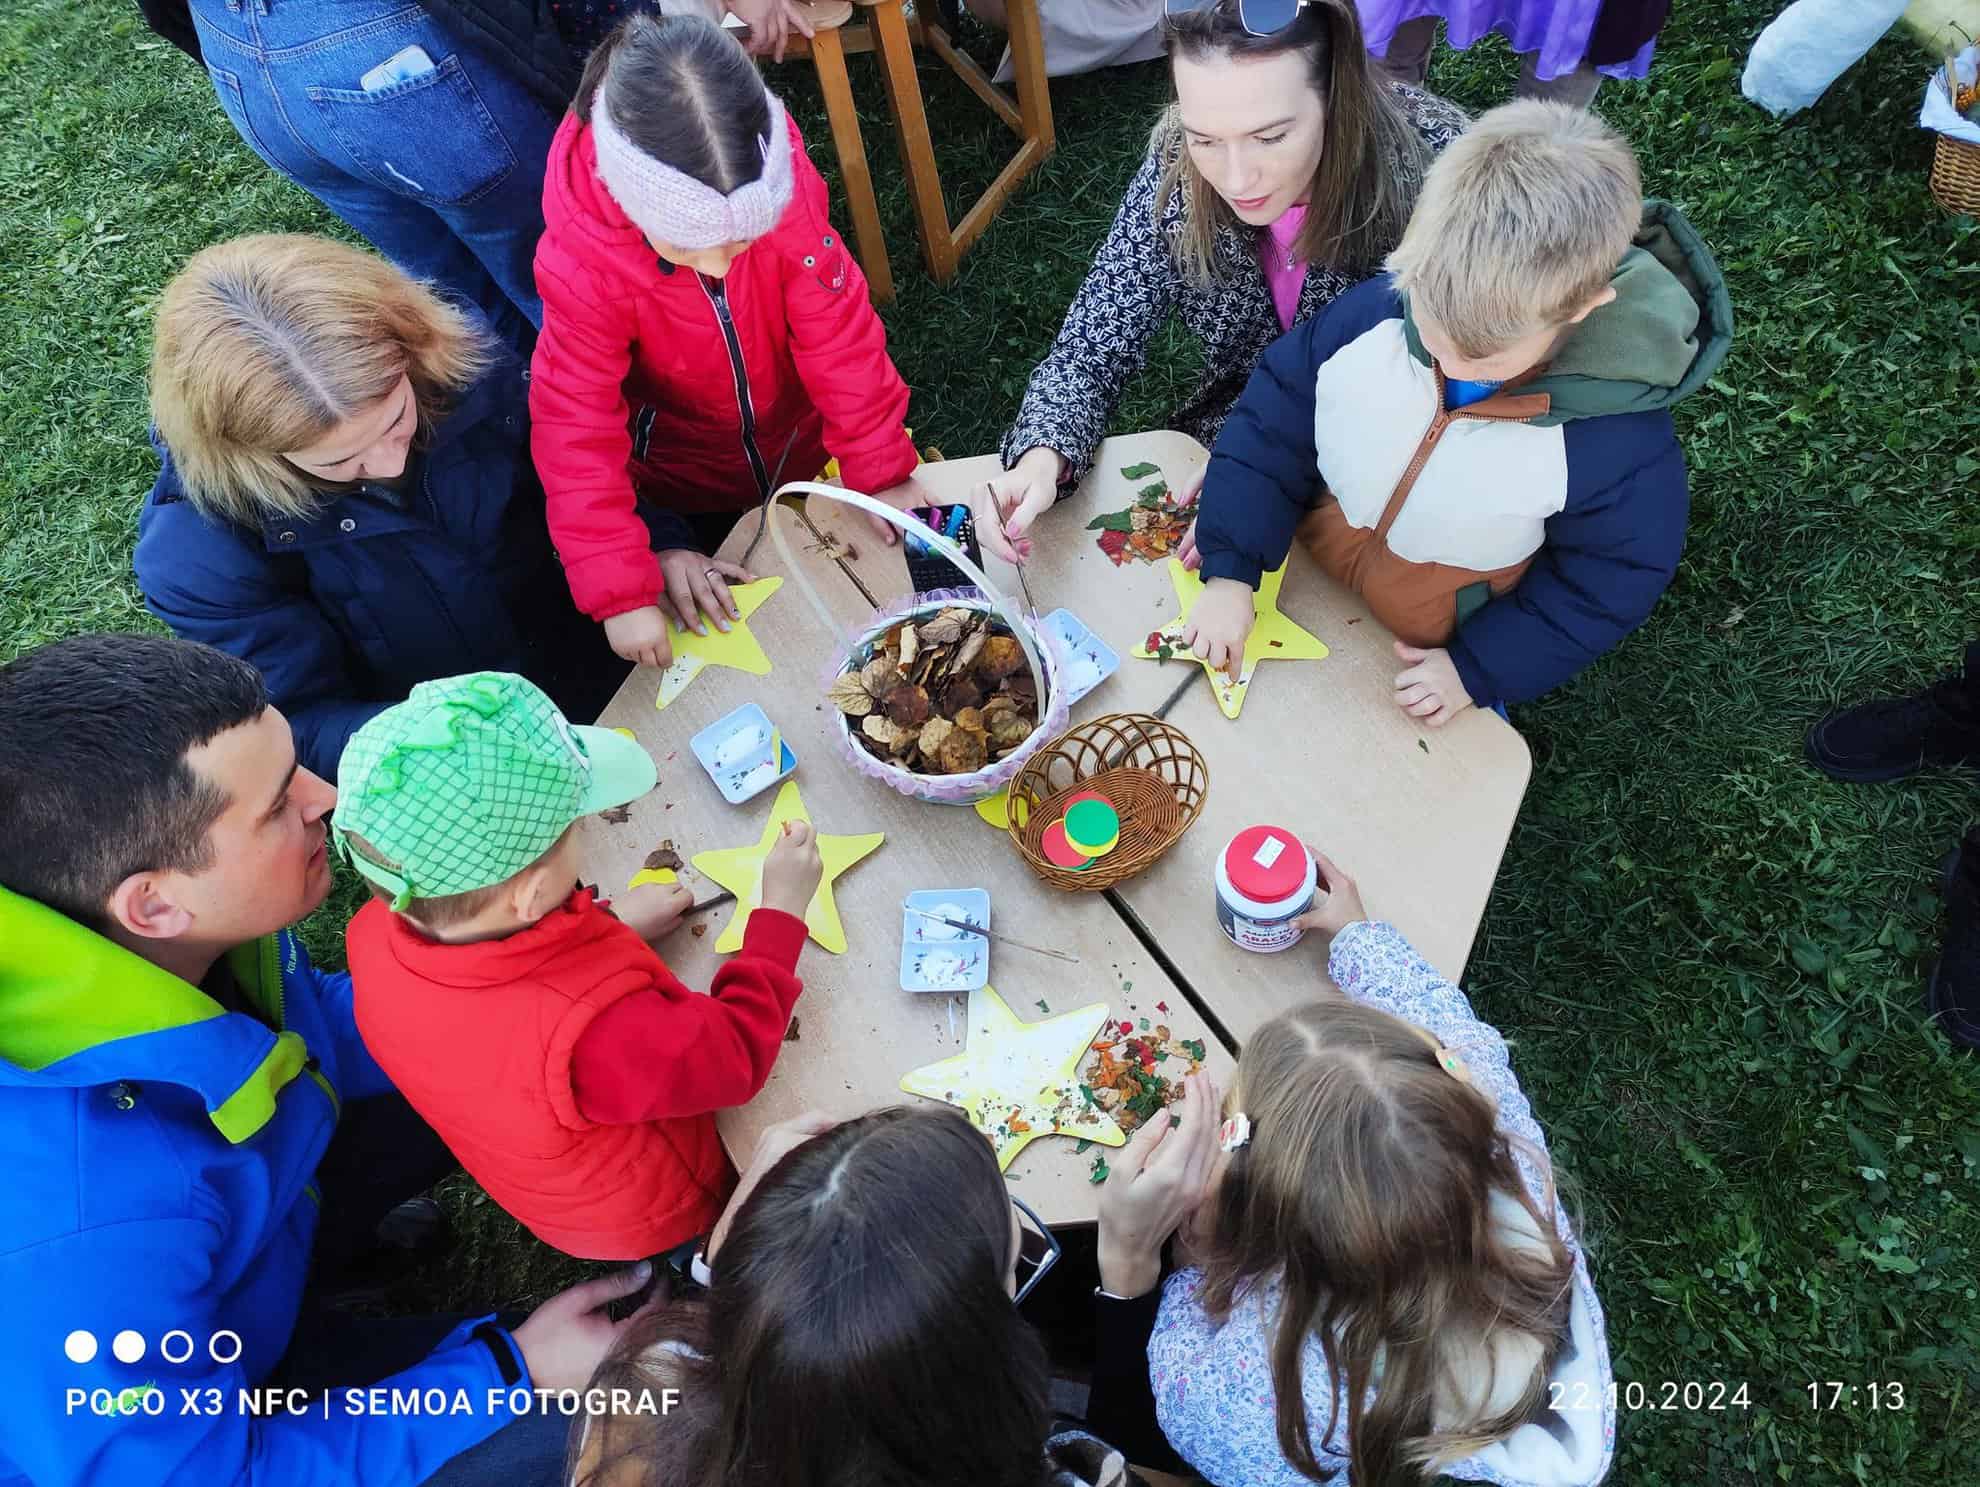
(804, 515)
(1170, 969)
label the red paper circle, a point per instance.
(1060, 852)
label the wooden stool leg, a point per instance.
(1028, 70)
(917, 148)
(830, 59)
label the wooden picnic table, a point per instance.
(1320, 747)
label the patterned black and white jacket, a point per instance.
(1136, 283)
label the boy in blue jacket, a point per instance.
(1480, 444)
(172, 1070)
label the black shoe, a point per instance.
(1952, 997)
(1896, 736)
(410, 1236)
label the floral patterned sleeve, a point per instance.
(1126, 298)
(1372, 962)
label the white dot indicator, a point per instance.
(127, 1346)
(80, 1346)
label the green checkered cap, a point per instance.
(470, 780)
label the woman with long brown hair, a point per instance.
(345, 496)
(861, 1326)
(1385, 1286)
(1279, 179)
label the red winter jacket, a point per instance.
(688, 387)
(489, 1040)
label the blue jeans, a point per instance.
(442, 171)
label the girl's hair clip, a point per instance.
(1235, 1132)
(1453, 1065)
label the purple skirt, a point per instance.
(1557, 29)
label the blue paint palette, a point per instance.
(1089, 659)
(937, 956)
(744, 753)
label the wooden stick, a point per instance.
(977, 929)
(724, 897)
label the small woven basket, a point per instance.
(1956, 176)
(1151, 772)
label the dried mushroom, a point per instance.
(941, 695)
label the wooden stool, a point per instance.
(891, 34)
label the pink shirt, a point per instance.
(1285, 276)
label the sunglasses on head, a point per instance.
(1038, 1249)
(1258, 17)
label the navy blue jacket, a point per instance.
(1529, 532)
(385, 588)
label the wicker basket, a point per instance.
(1150, 771)
(1956, 176)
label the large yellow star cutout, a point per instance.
(740, 870)
(1273, 637)
(735, 646)
(1018, 1081)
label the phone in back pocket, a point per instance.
(927, 569)
(401, 67)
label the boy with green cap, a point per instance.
(572, 1073)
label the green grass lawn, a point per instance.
(1708, 957)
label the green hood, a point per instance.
(1659, 340)
(78, 1010)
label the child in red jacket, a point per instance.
(543, 1039)
(703, 327)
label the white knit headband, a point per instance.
(672, 207)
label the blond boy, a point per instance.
(1480, 442)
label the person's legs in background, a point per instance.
(434, 155)
(1576, 88)
(1888, 738)
(1408, 57)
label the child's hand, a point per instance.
(907, 494)
(653, 910)
(1018, 497)
(1189, 495)
(697, 585)
(1162, 1178)
(1342, 904)
(1430, 689)
(1220, 624)
(640, 636)
(792, 870)
(770, 23)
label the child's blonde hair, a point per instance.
(449, 909)
(1378, 1190)
(1521, 222)
(269, 342)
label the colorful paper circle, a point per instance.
(1092, 827)
(1073, 800)
(1060, 852)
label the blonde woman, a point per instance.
(1279, 180)
(346, 498)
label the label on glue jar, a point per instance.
(1265, 880)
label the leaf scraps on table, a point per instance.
(1150, 528)
(1126, 1078)
(618, 815)
(664, 859)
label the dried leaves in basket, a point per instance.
(943, 695)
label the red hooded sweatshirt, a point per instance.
(570, 1071)
(688, 387)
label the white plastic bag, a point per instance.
(1811, 44)
(1938, 113)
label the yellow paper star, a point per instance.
(1273, 637)
(735, 646)
(740, 870)
(1017, 1081)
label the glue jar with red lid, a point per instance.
(1265, 880)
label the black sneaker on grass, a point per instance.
(1896, 736)
(1952, 997)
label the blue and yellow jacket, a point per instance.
(159, 1155)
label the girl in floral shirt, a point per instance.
(1385, 1286)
